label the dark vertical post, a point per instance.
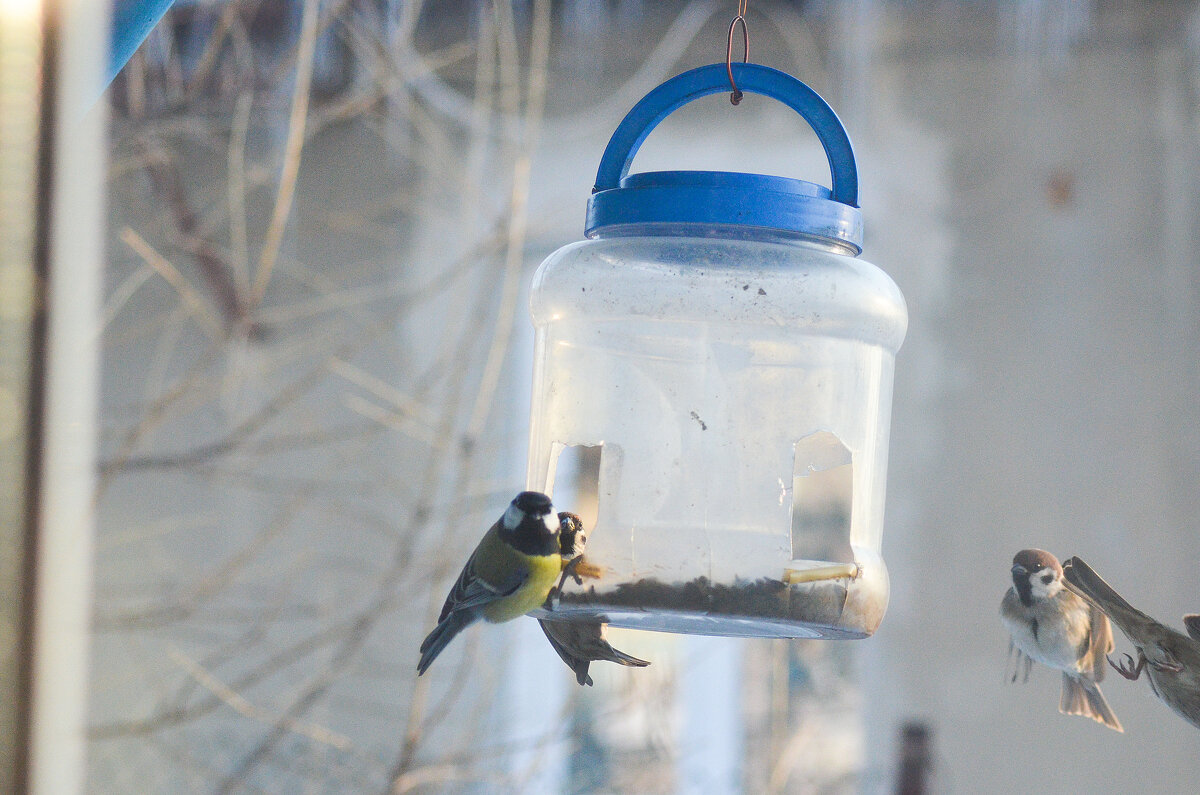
(915, 759)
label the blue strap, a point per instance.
(713, 79)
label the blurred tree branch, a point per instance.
(314, 471)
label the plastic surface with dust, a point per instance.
(737, 380)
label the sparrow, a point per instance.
(510, 573)
(1050, 624)
(579, 643)
(1170, 659)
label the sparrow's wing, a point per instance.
(1015, 658)
(1085, 582)
(552, 632)
(559, 637)
(1010, 615)
(1100, 643)
(1010, 609)
(579, 643)
(1192, 622)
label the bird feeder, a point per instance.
(719, 341)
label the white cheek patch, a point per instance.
(1044, 590)
(513, 517)
(551, 522)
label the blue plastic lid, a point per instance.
(716, 199)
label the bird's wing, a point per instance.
(564, 651)
(1192, 622)
(560, 636)
(1008, 606)
(1012, 613)
(471, 592)
(1016, 659)
(1085, 582)
(1100, 642)
(1012, 616)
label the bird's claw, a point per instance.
(571, 570)
(1170, 667)
(1128, 669)
(552, 598)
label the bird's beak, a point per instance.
(1019, 570)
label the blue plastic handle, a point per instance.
(713, 79)
(132, 21)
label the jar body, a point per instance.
(721, 377)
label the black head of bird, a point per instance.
(530, 524)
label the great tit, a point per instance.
(579, 643)
(510, 573)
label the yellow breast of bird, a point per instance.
(544, 572)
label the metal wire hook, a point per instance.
(736, 96)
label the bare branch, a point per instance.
(514, 259)
(168, 186)
(191, 299)
(292, 150)
(212, 49)
(240, 705)
(236, 191)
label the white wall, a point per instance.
(1039, 216)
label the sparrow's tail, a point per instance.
(618, 656)
(1087, 583)
(608, 654)
(1083, 697)
(441, 635)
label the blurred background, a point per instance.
(323, 218)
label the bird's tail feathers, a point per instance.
(621, 657)
(441, 635)
(1083, 697)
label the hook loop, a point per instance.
(736, 96)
